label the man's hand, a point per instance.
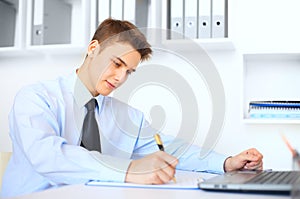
(250, 159)
(157, 168)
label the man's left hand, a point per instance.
(250, 159)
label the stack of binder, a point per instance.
(196, 19)
(274, 109)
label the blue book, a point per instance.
(278, 104)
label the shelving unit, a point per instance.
(62, 25)
(265, 79)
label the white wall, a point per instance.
(254, 26)
(265, 26)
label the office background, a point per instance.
(260, 58)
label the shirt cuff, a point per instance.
(225, 161)
(112, 168)
(216, 162)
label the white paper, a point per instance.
(184, 180)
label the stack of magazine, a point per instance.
(274, 109)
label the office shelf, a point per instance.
(217, 44)
(270, 121)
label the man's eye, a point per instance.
(129, 72)
(117, 63)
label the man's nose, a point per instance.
(120, 74)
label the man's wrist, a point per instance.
(225, 161)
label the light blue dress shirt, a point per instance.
(45, 129)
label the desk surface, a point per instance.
(83, 192)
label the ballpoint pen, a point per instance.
(159, 142)
(161, 147)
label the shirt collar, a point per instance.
(82, 95)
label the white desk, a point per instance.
(86, 192)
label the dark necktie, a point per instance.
(90, 132)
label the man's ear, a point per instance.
(93, 48)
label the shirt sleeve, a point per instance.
(191, 157)
(36, 130)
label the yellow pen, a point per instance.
(159, 142)
(161, 147)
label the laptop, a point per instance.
(254, 181)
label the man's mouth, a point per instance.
(110, 85)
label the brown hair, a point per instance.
(112, 30)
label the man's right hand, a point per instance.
(156, 168)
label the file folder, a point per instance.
(218, 18)
(141, 13)
(37, 26)
(204, 26)
(129, 10)
(103, 10)
(116, 9)
(190, 19)
(177, 19)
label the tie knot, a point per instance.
(91, 104)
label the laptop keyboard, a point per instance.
(288, 177)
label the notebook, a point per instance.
(254, 181)
(274, 109)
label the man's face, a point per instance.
(110, 68)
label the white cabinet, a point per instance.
(43, 24)
(11, 24)
(8, 20)
(57, 22)
(51, 24)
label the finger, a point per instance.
(258, 167)
(162, 177)
(253, 163)
(170, 171)
(252, 157)
(254, 152)
(169, 159)
(254, 166)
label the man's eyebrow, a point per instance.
(120, 60)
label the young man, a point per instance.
(48, 132)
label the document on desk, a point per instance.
(184, 180)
